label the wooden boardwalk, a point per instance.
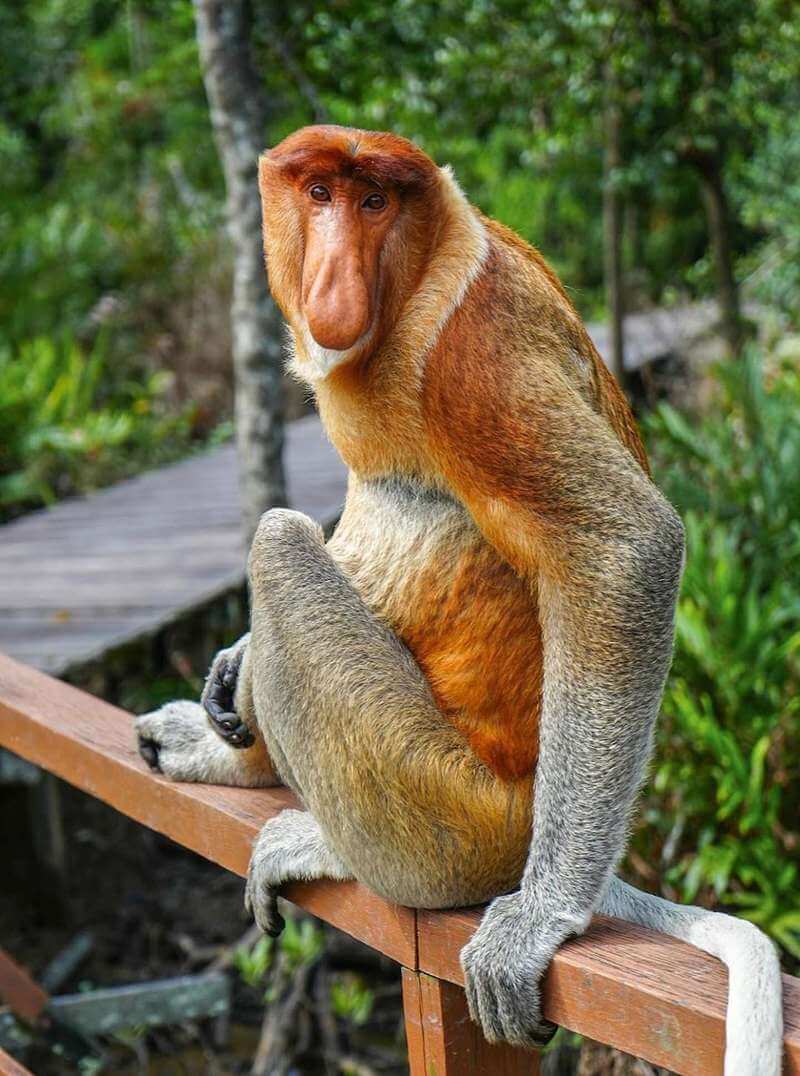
(94, 573)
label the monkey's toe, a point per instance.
(149, 750)
(231, 728)
(262, 903)
(218, 703)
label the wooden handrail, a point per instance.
(648, 995)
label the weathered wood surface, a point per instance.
(19, 990)
(94, 573)
(442, 1039)
(646, 994)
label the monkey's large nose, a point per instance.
(337, 302)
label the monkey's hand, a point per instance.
(219, 693)
(503, 965)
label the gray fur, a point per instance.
(190, 750)
(290, 847)
(596, 727)
(323, 680)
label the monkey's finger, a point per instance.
(520, 1016)
(482, 1002)
(232, 730)
(217, 698)
(542, 1032)
(217, 701)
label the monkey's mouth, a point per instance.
(324, 360)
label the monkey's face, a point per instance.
(347, 229)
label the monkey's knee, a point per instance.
(281, 535)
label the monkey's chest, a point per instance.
(420, 564)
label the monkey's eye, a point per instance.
(320, 193)
(374, 202)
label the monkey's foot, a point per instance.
(178, 741)
(219, 693)
(290, 847)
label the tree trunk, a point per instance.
(719, 233)
(612, 229)
(239, 118)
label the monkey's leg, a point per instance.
(352, 726)
(178, 740)
(290, 847)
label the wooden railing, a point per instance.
(639, 991)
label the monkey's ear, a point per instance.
(270, 173)
(266, 162)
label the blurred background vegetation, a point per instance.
(663, 130)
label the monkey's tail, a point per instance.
(754, 1025)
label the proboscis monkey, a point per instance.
(462, 685)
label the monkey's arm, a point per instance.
(553, 490)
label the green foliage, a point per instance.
(71, 425)
(301, 942)
(725, 793)
(110, 186)
(254, 963)
(351, 999)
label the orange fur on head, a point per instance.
(358, 261)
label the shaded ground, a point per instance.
(156, 910)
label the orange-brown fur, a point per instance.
(472, 625)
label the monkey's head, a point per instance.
(350, 220)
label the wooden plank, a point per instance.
(90, 744)
(412, 1020)
(646, 994)
(19, 990)
(10, 1067)
(101, 571)
(444, 1041)
(148, 1004)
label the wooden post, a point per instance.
(443, 1041)
(10, 1067)
(20, 991)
